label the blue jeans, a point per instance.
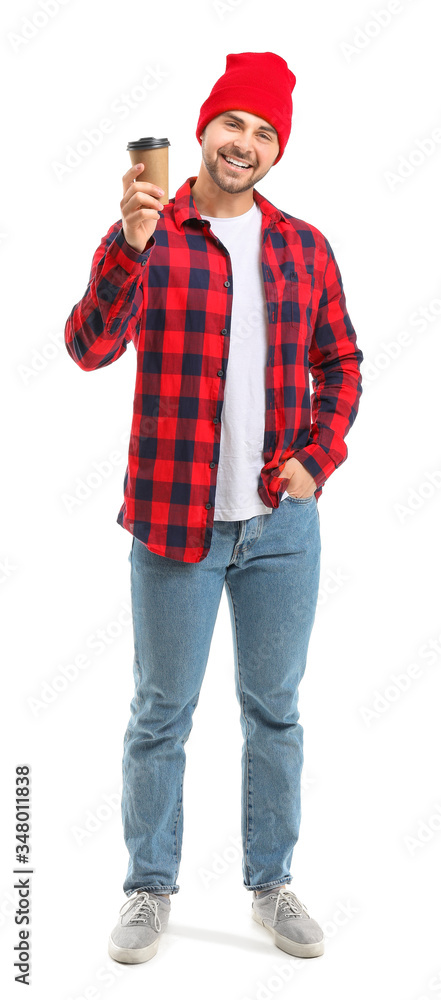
(270, 565)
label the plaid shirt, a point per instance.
(174, 301)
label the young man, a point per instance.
(230, 303)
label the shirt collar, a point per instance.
(184, 206)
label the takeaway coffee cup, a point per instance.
(153, 153)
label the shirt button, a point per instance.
(224, 332)
(143, 263)
(216, 420)
(220, 372)
(212, 465)
(226, 284)
(207, 506)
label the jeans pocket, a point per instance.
(300, 499)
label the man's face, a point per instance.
(245, 138)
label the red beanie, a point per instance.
(257, 82)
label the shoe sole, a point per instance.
(132, 955)
(298, 948)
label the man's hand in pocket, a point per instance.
(301, 483)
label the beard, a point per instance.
(218, 171)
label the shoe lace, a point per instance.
(289, 903)
(143, 907)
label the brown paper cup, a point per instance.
(155, 160)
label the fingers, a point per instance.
(139, 195)
(131, 176)
(136, 199)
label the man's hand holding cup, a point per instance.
(140, 207)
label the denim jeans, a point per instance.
(270, 565)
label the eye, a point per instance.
(263, 134)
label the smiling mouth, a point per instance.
(233, 166)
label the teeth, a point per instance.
(236, 163)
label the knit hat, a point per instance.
(257, 82)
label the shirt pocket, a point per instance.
(301, 292)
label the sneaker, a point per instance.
(143, 918)
(287, 919)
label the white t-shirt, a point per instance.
(243, 412)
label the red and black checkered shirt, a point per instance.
(174, 302)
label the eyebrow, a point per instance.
(267, 128)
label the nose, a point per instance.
(242, 148)
(243, 143)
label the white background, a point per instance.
(367, 864)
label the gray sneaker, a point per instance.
(143, 918)
(287, 919)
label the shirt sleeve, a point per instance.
(107, 317)
(334, 363)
